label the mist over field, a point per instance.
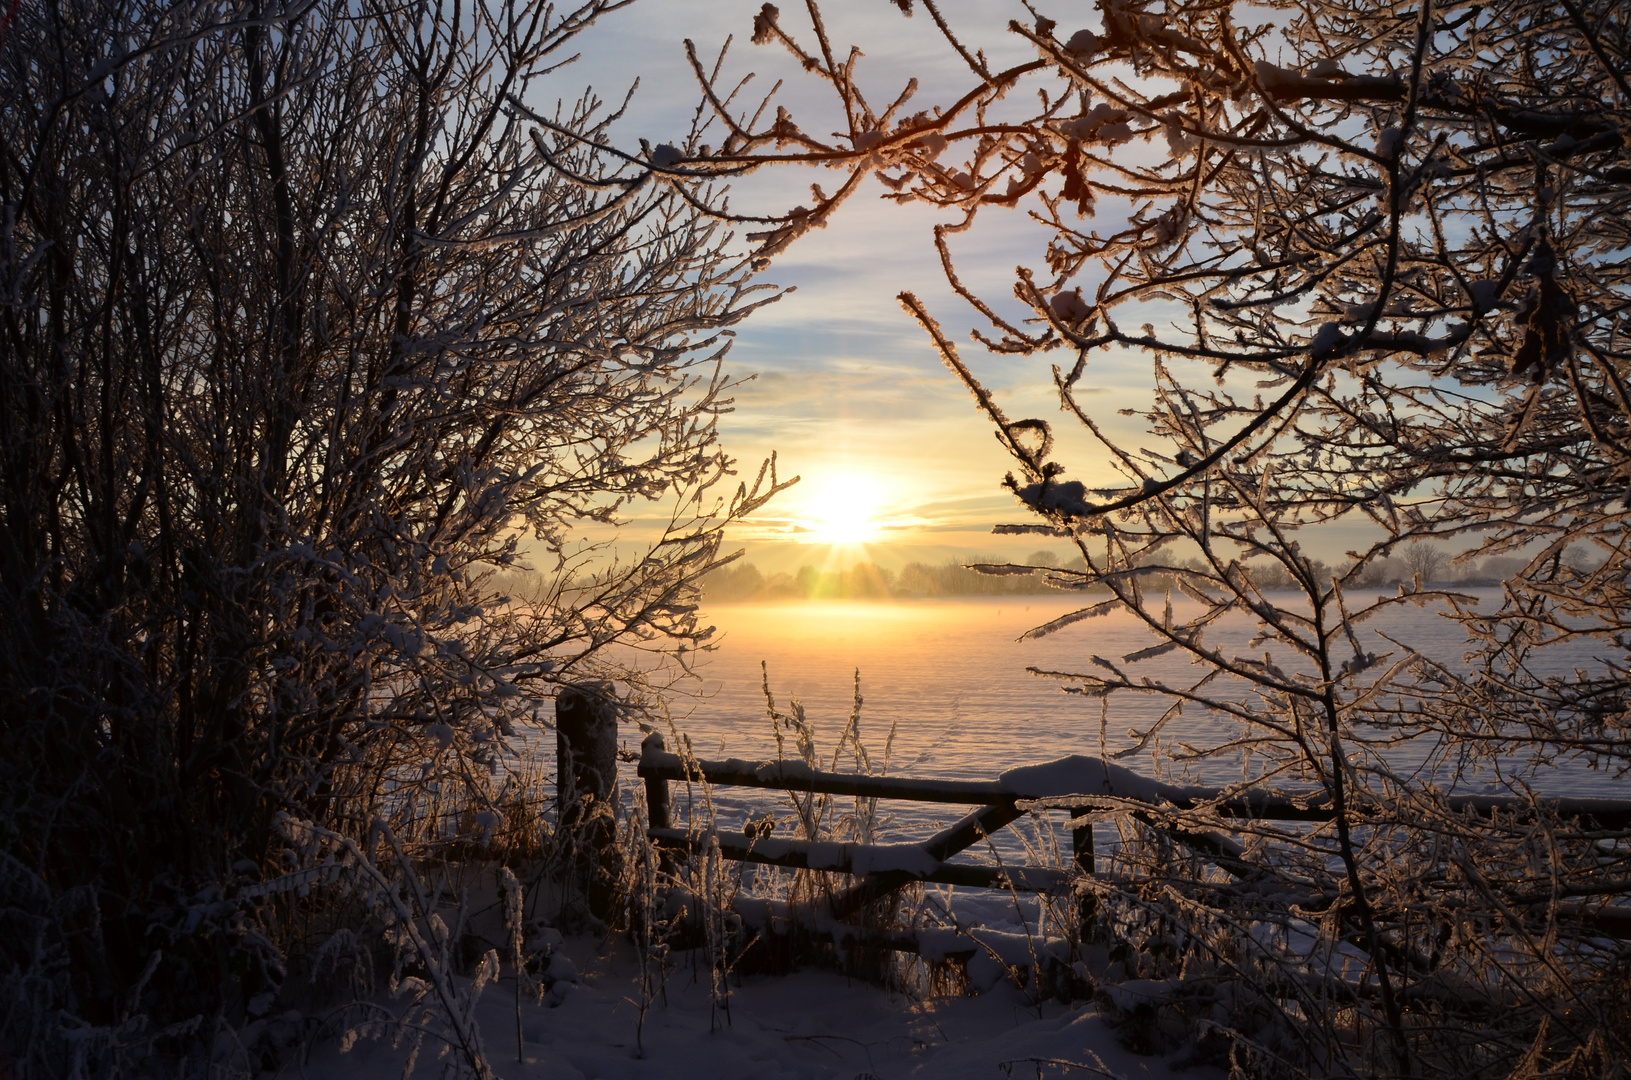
(1033, 575)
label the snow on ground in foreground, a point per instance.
(805, 1025)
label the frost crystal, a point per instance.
(931, 145)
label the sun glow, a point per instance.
(844, 510)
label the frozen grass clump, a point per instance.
(920, 939)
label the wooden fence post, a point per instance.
(1087, 904)
(1081, 847)
(656, 786)
(585, 786)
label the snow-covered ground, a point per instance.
(806, 1025)
(972, 717)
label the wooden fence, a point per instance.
(1082, 784)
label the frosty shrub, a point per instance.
(308, 322)
(1376, 255)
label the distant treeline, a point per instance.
(744, 582)
(741, 582)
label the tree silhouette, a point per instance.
(309, 329)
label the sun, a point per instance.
(843, 510)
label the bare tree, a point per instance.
(1378, 256)
(307, 328)
(1423, 560)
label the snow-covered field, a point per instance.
(950, 677)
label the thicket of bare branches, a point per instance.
(308, 328)
(1377, 254)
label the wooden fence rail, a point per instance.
(1079, 784)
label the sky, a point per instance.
(847, 390)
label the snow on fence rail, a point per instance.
(1080, 784)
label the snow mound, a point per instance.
(1082, 775)
(883, 858)
(1129, 997)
